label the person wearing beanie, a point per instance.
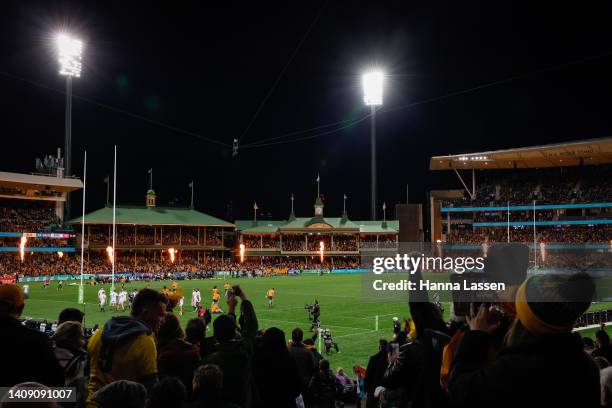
(542, 363)
(26, 354)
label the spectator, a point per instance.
(121, 393)
(234, 355)
(207, 388)
(347, 386)
(603, 349)
(323, 388)
(276, 377)
(125, 348)
(69, 340)
(195, 333)
(310, 345)
(176, 357)
(375, 372)
(541, 356)
(27, 352)
(304, 358)
(70, 314)
(169, 392)
(605, 380)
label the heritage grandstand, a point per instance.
(299, 242)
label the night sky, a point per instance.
(160, 80)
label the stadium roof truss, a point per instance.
(578, 153)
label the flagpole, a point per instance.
(114, 218)
(191, 194)
(291, 203)
(318, 185)
(344, 204)
(151, 179)
(81, 296)
(107, 189)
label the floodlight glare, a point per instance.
(69, 55)
(373, 88)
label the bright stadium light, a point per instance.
(373, 97)
(69, 55)
(373, 88)
(69, 51)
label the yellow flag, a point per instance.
(255, 207)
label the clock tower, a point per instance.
(318, 207)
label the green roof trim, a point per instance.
(152, 216)
(151, 193)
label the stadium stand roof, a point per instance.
(306, 224)
(185, 217)
(584, 152)
(36, 187)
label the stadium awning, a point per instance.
(585, 152)
(36, 187)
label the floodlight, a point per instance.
(373, 88)
(69, 55)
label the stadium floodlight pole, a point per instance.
(373, 97)
(81, 295)
(114, 220)
(69, 51)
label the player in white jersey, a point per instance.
(193, 299)
(180, 305)
(113, 299)
(102, 299)
(122, 299)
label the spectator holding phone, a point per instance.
(541, 357)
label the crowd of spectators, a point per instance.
(574, 234)
(504, 355)
(26, 216)
(552, 186)
(145, 235)
(96, 263)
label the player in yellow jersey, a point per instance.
(174, 286)
(226, 287)
(270, 294)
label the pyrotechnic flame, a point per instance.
(60, 254)
(321, 249)
(171, 251)
(109, 251)
(242, 253)
(22, 245)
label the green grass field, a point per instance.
(343, 310)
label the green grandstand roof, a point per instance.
(301, 224)
(152, 216)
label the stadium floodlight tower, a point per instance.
(373, 97)
(69, 52)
